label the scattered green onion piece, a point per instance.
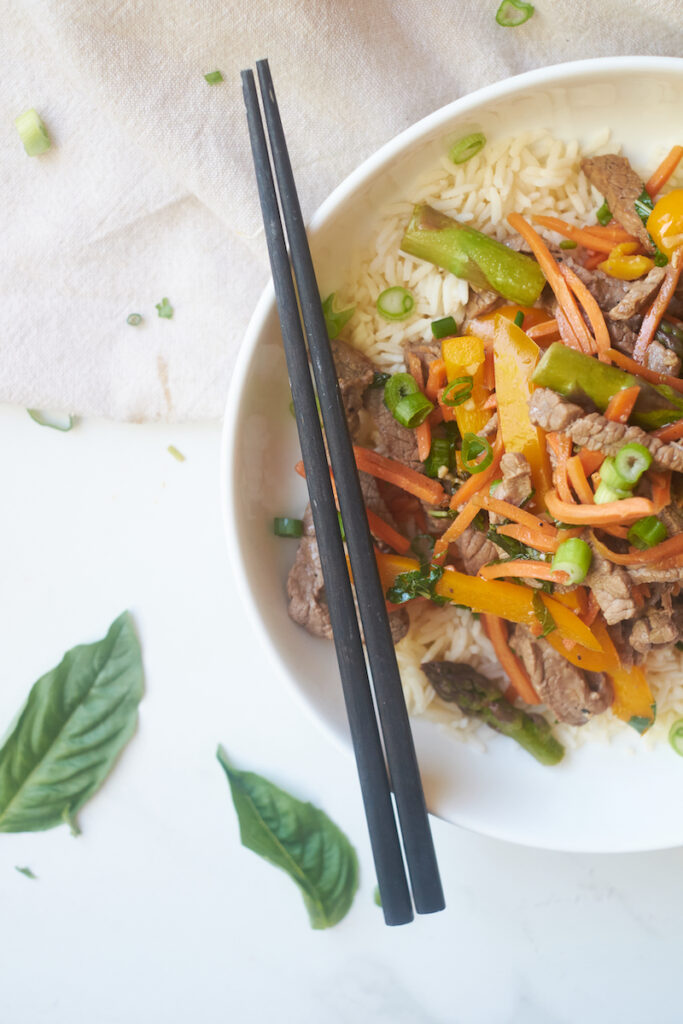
(335, 320)
(134, 319)
(647, 532)
(452, 396)
(466, 147)
(610, 475)
(631, 462)
(439, 455)
(659, 259)
(379, 379)
(441, 513)
(444, 328)
(395, 303)
(604, 214)
(213, 77)
(644, 206)
(676, 736)
(641, 723)
(606, 494)
(412, 410)
(177, 455)
(284, 526)
(574, 557)
(399, 386)
(164, 309)
(472, 446)
(32, 133)
(513, 12)
(46, 419)
(567, 243)
(519, 318)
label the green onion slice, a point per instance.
(134, 319)
(473, 446)
(285, 526)
(412, 410)
(395, 303)
(164, 309)
(647, 532)
(567, 243)
(604, 214)
(399, 386)
(574, 557)
(335, 320)
(466, 147)
(53, 420)
(458, 391)
(631, 462)
(444, 328)
(32, 133)
(610, 475)
(676, 736)
(519, 318)
(606, 494)
(513, 12)
(440, 455)
(213, 77)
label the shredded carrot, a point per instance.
(625, 511)
(553, 276)
(645, 591)
(620, 405)
(395, 472)
(657, 310)
(579, 481)
(436, 379)
(479, 480)
(423, 433)
(591, 614)
(545, 333)
(593, 312)
(620, 532)
(518, 515)
(626, 363)
(661, 489)
(537, 539)
(664, 171)
(561, 446)
(590, 460)
(663, 553)
(593, 260)
(566, 332)
(523, 568)
(613, 231)
(586, 237)
(384, 532)
(497, 632)
(457, 527)
(673, 432)
(637, 595)
(447, 411)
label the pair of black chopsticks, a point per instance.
(398, 742)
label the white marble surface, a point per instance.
(156, 913)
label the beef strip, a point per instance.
(656, 627)
(652, 574)
(611, 585)
(616, 180)
(619, 635)
(550, 411)
(573, 695)
(607, 291)
(638, 296)
(516, 485)
(426, 351)
(672, 517)
(481, 302)
(475, 550)
(394, 440)
(355, 373)
(662, 360)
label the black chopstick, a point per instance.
(398, 741)
(376, 793)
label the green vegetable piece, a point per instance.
(27, 872)
(376, 897)
(395, 303)
(473, 256)
(606, 494)
(32, 133)
(300, 839)
(417, 583)
(213, 77)
(444, 328)
(676, 736)
(458, 391)
(398, 387)
(440, 454)
(604, 214)
(335, 319)
(413, 410)
(76, 721)
(285, 526)
(472, 447)
(519, 319)
(641, 723)
(574, 557)
(134, 319)
(567, 243)
(53, 420)
(611, 476)
(466, 147)
(164, 309)
(512, 13)
(631, 462)
(177, 455)
(647, 532)
(577, 376)
(479, 697)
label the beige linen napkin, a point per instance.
(148, 189)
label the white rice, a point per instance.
(533, 173)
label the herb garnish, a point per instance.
(541, 612)
(417, 583)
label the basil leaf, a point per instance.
(300, 839)
(417, 583)
(76, 721)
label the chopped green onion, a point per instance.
(606, 494)
(134, 319)
(513, 12)
(177, 455)
(472, 446)
(213, 77)
(676, 736)
(46, 419)
(335, 320)
(610, 475)
(412, 410)
(644, 205)
(659, 259)
(164, 309)
(567, 243)
(284, 526)
(647, 532)
(631, 462)
(399, 386)
(379, 379)
(32, 133)
(440, 454)
(604, 214)
(444, 328)
(452, 396)
(574, 557)
(466, 147)
(395, 303)
(641, 723)
(443, 513)
(519, 318)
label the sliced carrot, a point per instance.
(625, 511)
(436, 379)
(523, 568)
(579, 481)
(626, 363)
(561, 446)
(661, 489)
(457, 527)
(518, 515)
(593, 312)
(637, 595)
(479, 480)
(620, 532)
(620, 405)
(384, 532)
(497, 632)
(587, 237)
(593, 260)
(657, 310)
(423, 433)
(447, 411)
(664, 171)
(566, 332)
(537, 539)
(545, 333)
(660, 554)
(590, 460)
(673, 432)
(402, 476)
(613, 231)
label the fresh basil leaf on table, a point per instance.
(300, 839)
(77, 719)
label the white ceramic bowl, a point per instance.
(600, 798)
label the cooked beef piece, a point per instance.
(619, 634)
(654, 628)
(373, 499)
(355, 373)
(481, 302)
(394, 440)
(591, 430)
(616, 180)
(490, 428)
(611, 586)
(672, 517)
(607, 291)
(573, 695)
(399, 623)
(624, 334)
(662, 360)
(639, 296)
(476, 550)
(426, 351)
(651, 574)
(516, 485)
(305, 585)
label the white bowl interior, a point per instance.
(601, 798)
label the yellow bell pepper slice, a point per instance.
(665, 223)
(464, 357)
(514, 358)
(622, 264)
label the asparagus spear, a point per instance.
(467, 253)
(477, 696)
(575, 376)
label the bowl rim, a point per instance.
(537, 77)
